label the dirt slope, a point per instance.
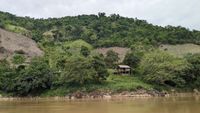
(12, 42)
(181, 49)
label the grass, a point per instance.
(17, 29)
(114, 83)
(125, 83)
(181, 49)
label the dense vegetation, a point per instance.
(98, 30)
(64, 65)
(70, 65)
(164, 69)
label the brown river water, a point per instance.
(138, 105)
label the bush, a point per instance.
(162, 68)
(7, 76)
(19, 52)
(2, 24)
(132, 59)
(18, 59)
(33, 79)
(81, 71)
(85, 51)
(192, 75)
(77, 71)
(2, 49)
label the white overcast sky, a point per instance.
(160, 12)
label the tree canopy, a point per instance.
(162, 68)
(99, 30)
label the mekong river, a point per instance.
(187, 104)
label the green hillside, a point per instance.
(101, 30)
(81, 54)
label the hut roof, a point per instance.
(124, 66)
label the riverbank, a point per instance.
(97, 95)
(109, 95)
(113, 87)
(140, 93)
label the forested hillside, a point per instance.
(71, 61)
(99, 30)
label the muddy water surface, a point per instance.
(147, 105)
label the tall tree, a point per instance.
(111, 58)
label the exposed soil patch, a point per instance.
(10, 43)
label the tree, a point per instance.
(36, 35)
(162, 68)
(132, 59)
(34, 79)
(78, 71)
(101, 30)
(111, 58)
(2, 24)
(192, 75)
(85, 51)
(114, 17)
(101, 14)
(57, 35)
(7, 76)
(100, 67)
(138, 50)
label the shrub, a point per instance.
(2, 49)
(81, 71)
(18, 59)
(34, 79)
(7, 76)
(19, 52)
(162, 68)
(77, 71)
(192, 75)
(85, 51)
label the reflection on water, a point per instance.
(148, 105)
